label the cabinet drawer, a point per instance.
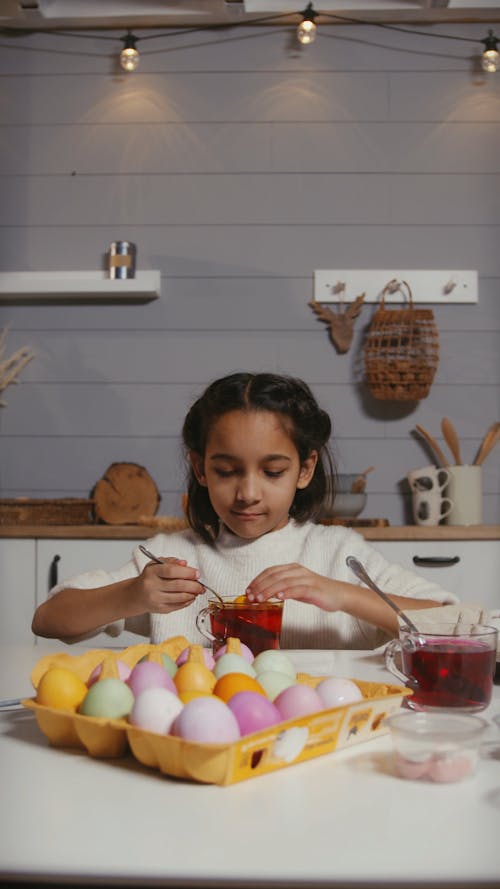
(58, 560)
(470, 569)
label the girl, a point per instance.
(257, 450)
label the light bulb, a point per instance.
(306, 31)
(491, 57)
(129, 56)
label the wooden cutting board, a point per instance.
(125, 493)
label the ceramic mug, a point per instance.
(465, 489)
(427, 484)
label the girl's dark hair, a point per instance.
(308, 425)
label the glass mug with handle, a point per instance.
(450, 668)
(256, 624)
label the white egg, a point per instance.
(155, 710)
(277, 661)
(335, 692)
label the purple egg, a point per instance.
(206, 720)
(253, 711)
(123, 672)
(298, 700)
(207, 657)
(245, 652)
(149, 674)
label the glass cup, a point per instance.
(450, 668)
(256, 624)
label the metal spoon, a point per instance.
(158, 561)
(361, 574)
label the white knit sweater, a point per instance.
(232, 563)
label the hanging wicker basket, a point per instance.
(401, 349)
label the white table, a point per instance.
(343, 819)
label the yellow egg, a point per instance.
(192, 676)
(61, 688)
(240, 600)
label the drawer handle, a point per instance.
(436, 561)
(53, 573)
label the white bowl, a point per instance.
(344, 506)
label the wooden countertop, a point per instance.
(142, 532)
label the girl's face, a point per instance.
(251, 469)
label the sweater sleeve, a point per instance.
(392, 578)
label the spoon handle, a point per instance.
(158, 561)
(361, 574)
(433, 444)
(451, 438)
(488, 443)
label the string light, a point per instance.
(129, 56)
(306, 31)
(491, 56)
(306, 34)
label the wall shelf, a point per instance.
(78, 286)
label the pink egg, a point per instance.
(123, 672)
(149, 674)
(206, 720)
(445, 769)
(336, 692)
(207, 657)
(253, 711)
(155, 709)
(245, 652)
(298, 700)
(410, 768)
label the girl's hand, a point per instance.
(166, 587)
(296, 582)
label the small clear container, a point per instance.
(439, 747)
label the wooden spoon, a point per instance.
(434, 445)
(359, 483)
(488, 443)
(451, 439)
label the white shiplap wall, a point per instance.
(238, 166)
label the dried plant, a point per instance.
(10, 368)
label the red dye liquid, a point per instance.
(444, 673)
(258, 626)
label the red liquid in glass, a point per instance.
(443, 673)
(258, 626)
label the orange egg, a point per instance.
(61, 688)
(192, 676)
(231, 683)
(186, 696)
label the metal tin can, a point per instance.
(122, 256)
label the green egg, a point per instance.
(109, 698)
(274, 682)
(169, 664)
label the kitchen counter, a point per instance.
(143, 532)
(342, 820)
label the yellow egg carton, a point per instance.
(260, 753)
